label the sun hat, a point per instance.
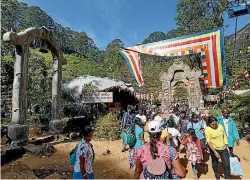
(154, 126)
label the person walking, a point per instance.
(218, 145)
(199, 130)
(230, 128)
(139, 141)
(84, 156)
(182, 127)
(156, 152)
(127, 119)
(174, 135)
(141, 116)
(194, 151)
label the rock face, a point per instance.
(182, 72)
(45, 149)
(18, 133)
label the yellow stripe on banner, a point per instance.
(186, 52)
(186, 39)
(219, 58)
(133, 68)
(204, 70)
(203, 52)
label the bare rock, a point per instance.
(45, 149)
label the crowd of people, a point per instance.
(154, 141)
(151, 139)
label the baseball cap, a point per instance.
(154, 126)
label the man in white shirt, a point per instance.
(158, 118)
(176, 118)
(156, 115)
(141, 116)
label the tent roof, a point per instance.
(242, 92)
(102, 84)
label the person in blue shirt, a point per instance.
(127, 119)
(182, 125)
(199, 130)
(139, 135)
(230, 128)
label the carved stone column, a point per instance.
(56, 124)
(18, 130)
(166, 101)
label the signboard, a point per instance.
(97, 97)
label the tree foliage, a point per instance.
(85, 58)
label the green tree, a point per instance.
(200, 15)
(154, 37)
(114, 63)
(39, 82)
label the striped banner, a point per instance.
(134, 64)
(209, 44)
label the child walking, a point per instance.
(194, 151)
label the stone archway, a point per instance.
(180, 71)
(18, 130)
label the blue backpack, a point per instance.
(72, 159)
(131, 139)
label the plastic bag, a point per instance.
(235, 166)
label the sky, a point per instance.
(132, 21)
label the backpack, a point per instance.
(131, 139)
(193, 154)
(72, 156)
(156, 168)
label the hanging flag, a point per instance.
(134, 64)
(190, 84)
(237, 84)
(152, 96)
(246, 74)
(209, 44)
(160, 95)
(166, 94)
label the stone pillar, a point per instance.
(166, 101)
(56, 124)
(18, 130)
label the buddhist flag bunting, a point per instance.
(134, 64)
(246, 74)
(209, 44)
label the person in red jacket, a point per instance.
(194, 151)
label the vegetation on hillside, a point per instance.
(85, 58)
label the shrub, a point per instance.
(107, 127)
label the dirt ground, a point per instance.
(106, 166)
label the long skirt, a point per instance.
(132, 158)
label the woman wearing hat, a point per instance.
(153, 150)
